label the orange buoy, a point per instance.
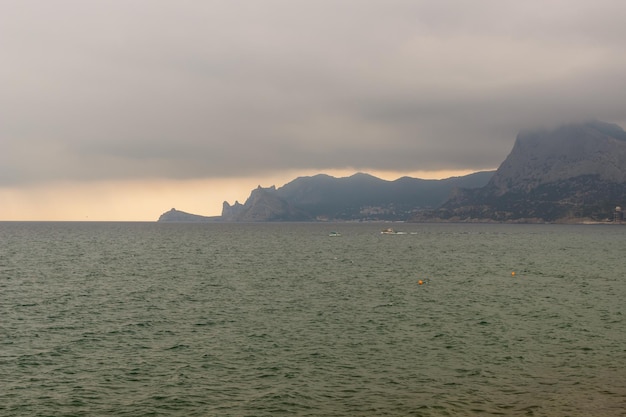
(513, 273)
(420, 282)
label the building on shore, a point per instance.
(618, 215)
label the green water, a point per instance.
(149, 319)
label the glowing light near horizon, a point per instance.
(146, 200)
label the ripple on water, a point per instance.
(277, 319)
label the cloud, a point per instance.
(114, 90)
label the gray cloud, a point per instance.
(189, 89)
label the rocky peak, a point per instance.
(264, 204)
(574, 150)
(230, 213)
(575, 172)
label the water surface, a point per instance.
(128, 319)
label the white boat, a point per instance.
(334, 234)
(391, 231)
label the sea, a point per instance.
(282, 319)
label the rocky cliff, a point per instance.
(230, 213)
(545, 157)
(359, 197)
(573, 172)
(263, 205)
(322, 197)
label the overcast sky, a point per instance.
(159, 103)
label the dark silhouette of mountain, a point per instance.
(325, 198)
(264, 204)
(365, 197)
(575, 172)
(180, 216)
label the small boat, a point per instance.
(391, 231)
(334, 234)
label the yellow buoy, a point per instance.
(420, 282)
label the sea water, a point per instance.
(152, 319)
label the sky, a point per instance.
(124, 109)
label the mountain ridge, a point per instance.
(322, 197)
(572, 173)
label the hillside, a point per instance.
(575, 172)
(321, 197)
(180, 216)
(365, 197)
(264, 204)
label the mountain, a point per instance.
(264, 204)
(365, 197)
(180, 216)
(571, 173)
(325, 198)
